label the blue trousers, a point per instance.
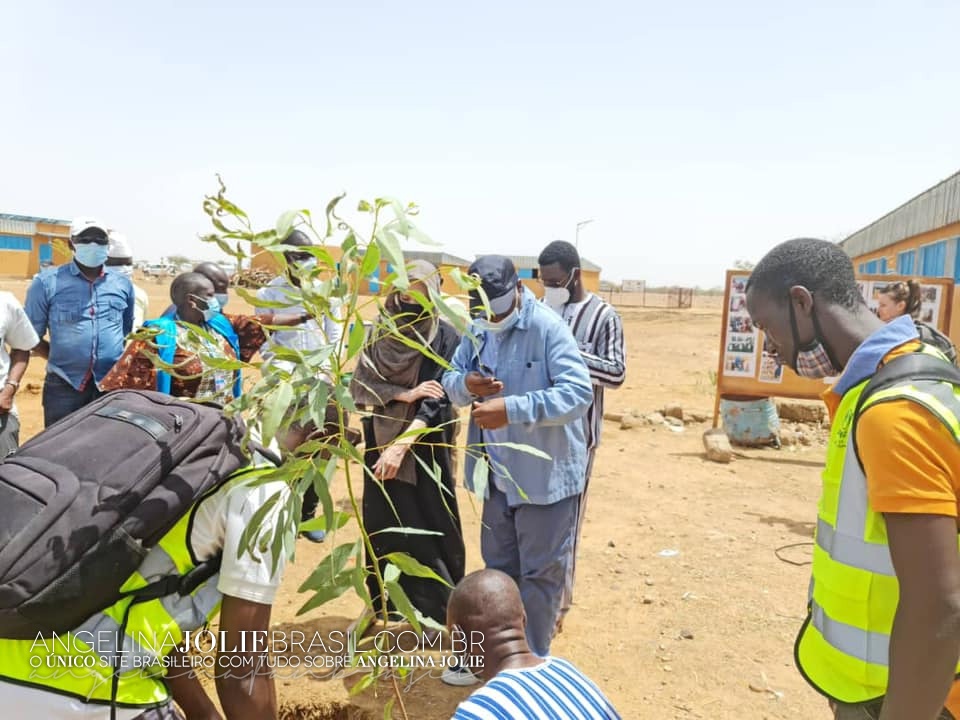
(533, 544)
(60, 398)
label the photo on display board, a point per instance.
(741, 343)
(771, 368)
(740, 324)
(738, 365)
(738, 303)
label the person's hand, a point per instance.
(483, 385)
(428, 389)
(6, 398)
(490, 415)
(388, 465)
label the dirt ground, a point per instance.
(705, 633)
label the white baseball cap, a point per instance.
(119, 246)
(82, 224)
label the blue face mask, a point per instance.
(222, 298)
(90, 255)
(500, 326)
(211, 310)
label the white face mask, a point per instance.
(501, 325)
(556, 297)
(121, 269)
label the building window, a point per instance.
(905, 262)
(871, 267)
(861, 268)
(16, 242)
(933, 259)
(883, 266)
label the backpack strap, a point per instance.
(917, 366)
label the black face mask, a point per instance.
(414, 308)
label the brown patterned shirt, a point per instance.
(135, 370)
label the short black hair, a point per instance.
(186, 284)
(821, 267)
(562, 253)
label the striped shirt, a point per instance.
(599, 333)
(553, 690)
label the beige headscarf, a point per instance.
(388, 366)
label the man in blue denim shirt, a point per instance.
(88, 313)
(526, 381)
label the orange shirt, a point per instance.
(912, 463)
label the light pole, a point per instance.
(580, 225)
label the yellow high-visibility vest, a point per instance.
(843, 647)
(81, 663)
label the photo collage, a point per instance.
(743, 340)
(740, 353)
(930, 299)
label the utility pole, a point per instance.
(577, 236)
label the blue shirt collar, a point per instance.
(871, 352)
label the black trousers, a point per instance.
(425, 506)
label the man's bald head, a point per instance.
(216, 274)
(191, 283)
(487, 601)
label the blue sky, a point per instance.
(695, 133)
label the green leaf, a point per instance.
(364, 206)
(318, 404)
(481, 475)
(400, 600)
(357, 334)
(330, 567)
(391, 574)
(371, 260)
(365, 682)
(390, 247)
(331, 591)
(529, 449)
(275, 407)
(405, 531)
(321, 484)
(411, 566)
(332, 218)
(320, 523)
(285, 223)
(388, 709)
(250, 533)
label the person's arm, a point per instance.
(925, 642)
(244, 678)
(388, 464)
(22, 338)
(570, 392)
(19, 359)
(130, 310)
(911, 463)
(454, 380)
(188, 692)
(134, 370)
(37, 307)
(607, 364)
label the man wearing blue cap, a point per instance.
(522, 373)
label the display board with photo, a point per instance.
(742, 338)
(931, 299)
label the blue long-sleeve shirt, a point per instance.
(87, 321)
(547, 390)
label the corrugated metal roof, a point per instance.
(32, 219)
(526, 262)
(934, 208)
(436, 258)
(17, 227)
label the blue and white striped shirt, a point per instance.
(554, 690)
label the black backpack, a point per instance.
(82, 503)
(931, 336)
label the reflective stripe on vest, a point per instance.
(81, 663)
(843, 648)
